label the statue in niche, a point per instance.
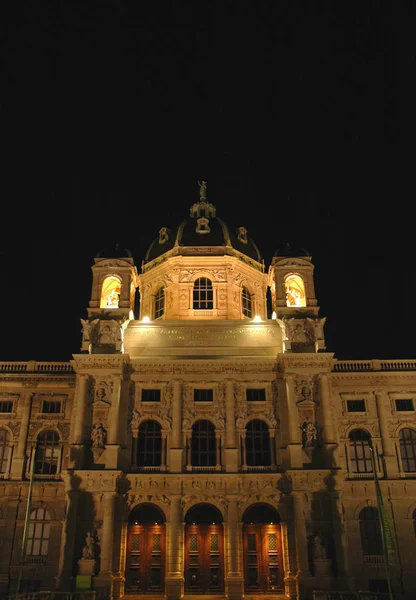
(98, 436)
(202, 190)
(309, 434)
(135, 420)
(112, 299)
(319, 550)
(89, 549)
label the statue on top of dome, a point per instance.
(202, 190)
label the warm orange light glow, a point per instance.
(295, 291)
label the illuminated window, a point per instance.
(203, 294)
(360, 453)
(246, 303)
(203, 444)
(370, 532)
(408, 449)
(159, 303)
(149, 444)
(110, 292)
(4, 450)
(257, 444)
(39, 533)
(47, 453)
(295, 291)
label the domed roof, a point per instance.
(203, 229)
(286, 250)
(116, 252)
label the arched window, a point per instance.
(4, 450)
(149, 444)
(295, 291)
(257, 444)
(360, 453)
(203, 444)
(408, 449)
(246, 303)
(203, 294)
(159, 306)
(47, 453)
(39, 532)
(110, 292)
(370, 532)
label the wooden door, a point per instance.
(263, 563)
(145, 558)
(204, 558)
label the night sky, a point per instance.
(300, 115)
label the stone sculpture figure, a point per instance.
(89, 550)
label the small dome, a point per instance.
(287, 251)
(116, 252)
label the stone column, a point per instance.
(243, 451)
(326, 409)
(64, 578)
(229, 415)
(176, 450)
(389, 455)
(217, 452)
(301, 540)
(234, 580)
(81, 399)
(295, 437)
(19, 458)
(104, 581)
(231, 449)
(174, 580)
(113, 442)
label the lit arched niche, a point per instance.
(110, 292)
(295, 291)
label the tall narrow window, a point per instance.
(295, 291)
(246, 303)
(257, 444)
(47, 453)
(360, 453)
(159, 303)
(203, 444)
(149, 444)
(39, 532)
(4, 450)
(408, 449)
(203, 294)
(370, 532)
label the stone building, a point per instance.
(202, 446)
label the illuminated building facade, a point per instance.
(201, 447)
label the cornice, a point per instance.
(294, 363)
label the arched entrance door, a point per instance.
(204, 550)
(145, 551)
(262, 546)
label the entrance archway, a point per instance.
(145, 550)
(204, 550)
(262, 547)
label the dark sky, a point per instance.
(299, 115)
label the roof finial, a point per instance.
(202, 190)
